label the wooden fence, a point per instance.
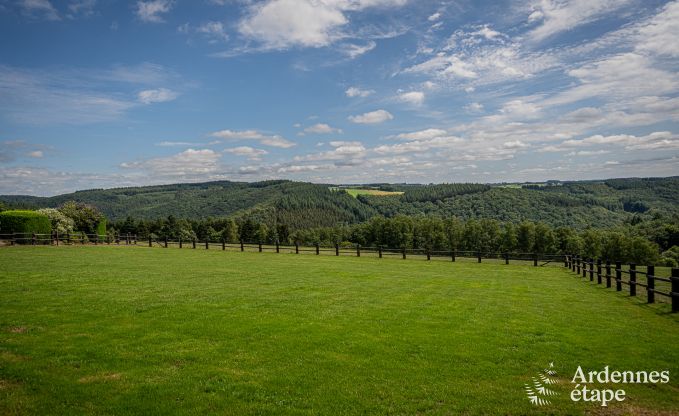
(585, 267)
(337, 250)
(610, 272)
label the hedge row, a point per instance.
(19, 221)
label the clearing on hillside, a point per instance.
(132, 330)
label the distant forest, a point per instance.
(549, 217)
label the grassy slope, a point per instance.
(122, 330)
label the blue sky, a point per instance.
(106, 93)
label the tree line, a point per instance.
(643, 244)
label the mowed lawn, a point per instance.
(129, 330)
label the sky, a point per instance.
(106, 93)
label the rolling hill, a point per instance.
(603, 203)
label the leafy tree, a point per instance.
(525, 236)
(86, 217)
(60, 222)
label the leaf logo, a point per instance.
(537, 391)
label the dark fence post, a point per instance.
(165, 241)
(565, 261)
(452, 255)
(650, 284)
(318, 249)
(618, 276)
(404, 253)
(150, 241)
(56, 234)
(478, 256)
(379, 250)
(296, 247)
(358, 250)
(193, 242)
(584, 267)
(180, 242)
(598, 271)
(535, 259)
(259, 246)
(242, 247)
(278, 247)
(207, 243)
(591, 269)
(632, 279)
(34, 239)
(675, 289)
(336, 249)
(223, 244)
(577, 263)
(608, 273)
(506, 258)
(68, 238)
(428, 255)
(96, 239)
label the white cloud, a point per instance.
(354, 51)
(561, 16)
(343, 150)
(412, 97)
(373, 117)
(474, 107)
(281, 24)
(321, 128)
(247, 151)
(159, 95)
(434, 17)
(36, 154)
(81, 8)
(659, 34)
(189, 163)
(358, 92)
(151, 11)
(41, 9)
(267, 140)
(215, 31)
(426, 134)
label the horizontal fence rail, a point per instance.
(636, 278)
(338, 249)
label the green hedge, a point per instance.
(101, 227)
(17, 221)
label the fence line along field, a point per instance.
(133, 330)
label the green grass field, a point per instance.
(375, 192)
(131, 330)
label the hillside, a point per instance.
(579, 204)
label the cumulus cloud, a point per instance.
(372, 117)
(358, 92)
(159, 95)
(189, 163)
(152, 11)
(321, 128)
(247, 151)
(412, 97)
(281, 24)
(267, 140)
(343, 150)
